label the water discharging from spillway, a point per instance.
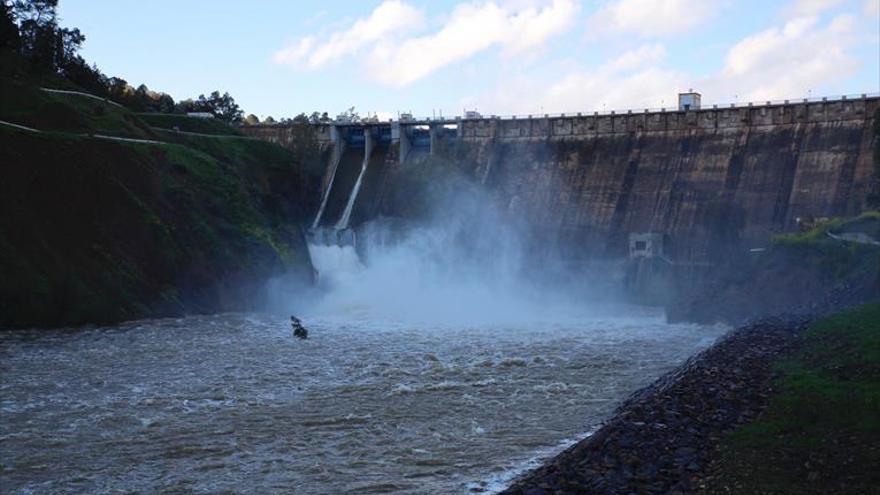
(352, 198)
(430, 368)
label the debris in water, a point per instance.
(299, 330)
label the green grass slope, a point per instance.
(98, 231)
(189, 124)
(94, 230)
(821, 433)
(30, 106)
(266, 163)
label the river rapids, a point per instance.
(232, 403)
(431, 367)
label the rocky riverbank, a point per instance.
(662, 439)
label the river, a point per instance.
(232, 403)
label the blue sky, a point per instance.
(281, 58)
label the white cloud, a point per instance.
(806, 49)
(652, 18)
(787, 61)
(811, 7)
(645, 88)
(767, 48)
(633, 79)
(471, 28)
(389, 18)
(294, 54)
(780, 62)
(531, 27)
(634, 59)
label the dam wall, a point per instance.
(709, 180)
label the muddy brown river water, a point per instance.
(232, 404)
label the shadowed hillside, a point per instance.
(98, 230)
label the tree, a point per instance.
(47, 46)
(116, 85)
(38, 44)
(165, 103)
(89, 78)
(120, 92)
(67, 44)
(9, 37)
(39, 11)
(189, 105)
(349, 116)
(318, 118)
(225, 108)
(251, 119)
(141, 98)
(220, 106)
(31, 28)
(269, 120)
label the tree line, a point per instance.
(31, 29)
(313, 118)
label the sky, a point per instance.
(281, 58)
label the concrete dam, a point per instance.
(698, 182)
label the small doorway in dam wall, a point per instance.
(650, 273)
(646, 245)
(653, 277)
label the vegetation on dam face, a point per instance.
(99, 230)
(832, 264)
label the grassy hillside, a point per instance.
(28, 105)
(267, 163)
(821, 433)
(96, 230)
(189, 124)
